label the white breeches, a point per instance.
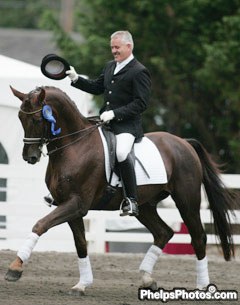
(124, 145)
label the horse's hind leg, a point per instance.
(189, 208)
(162, 233)
(84, 265)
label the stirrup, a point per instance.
(48, 200)
(128, 207)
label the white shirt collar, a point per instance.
(122, 64)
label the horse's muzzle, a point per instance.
(32, 160)
(31, 154)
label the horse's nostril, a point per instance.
(32, 160)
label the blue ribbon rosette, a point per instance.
(48, 115)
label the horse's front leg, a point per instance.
(84, 265)
(63, 213)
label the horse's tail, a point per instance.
(222, 201)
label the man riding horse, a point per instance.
(125, 84)
(75, 176)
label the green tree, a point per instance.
(25, 13)
(191, 48)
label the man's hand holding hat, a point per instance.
(72, 74)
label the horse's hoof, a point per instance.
(202, 287)
(152, 286)
(148, 282)
(76, 292)
(13, 275)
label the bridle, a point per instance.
(46, 140)
(30, 112)
(33, 140)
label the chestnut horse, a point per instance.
(75, 177)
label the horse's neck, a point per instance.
(75, 122)
(71, 119)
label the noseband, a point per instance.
(30, 141)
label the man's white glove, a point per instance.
(72, 74)
(107, 116)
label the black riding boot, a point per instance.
(129, 205)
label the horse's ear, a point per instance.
(41, 96)
(18, 94)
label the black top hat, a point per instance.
(54, 66)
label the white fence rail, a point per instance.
(100, 222)
(24, 206)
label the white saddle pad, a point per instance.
(147, 152)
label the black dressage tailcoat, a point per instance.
(127, 93)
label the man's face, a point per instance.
(120, 50)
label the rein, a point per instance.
(47, 141)
(89, 129)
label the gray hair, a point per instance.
(125, 37)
